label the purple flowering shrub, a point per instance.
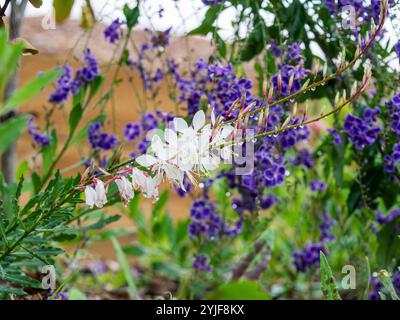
(313, 185)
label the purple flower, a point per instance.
(113, 32)
(362, 132)
(304, 157)
(148, 121)
(40, 139)
(207, 223)
(132, 131)
(201, 263)
(275, 49)
(61, 93)
(397, 48)
(101, 140)
(268, 201)
(325, 227)
(317, 186)
(308, 257)
(87, 73)
(381, 219)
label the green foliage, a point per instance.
(242, 290)
(11, 130)
(125, 268)
(63, 9)
(329, 287)
(132, 15)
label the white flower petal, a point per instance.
(146, 160)
(180, 124)
(90, 196)
(199, 120)
(213, 118)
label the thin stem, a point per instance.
(323, 81)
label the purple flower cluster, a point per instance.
(382, 219)
(303, 158)
(201, 263)
(325, 227)
(40, 138)
(308, 257)
(291, 137)
(61, 93)
(292, 67)
(132, 131)
(377, 286)
(317, 186)
(393, 106)
(148, 121)
(101, 140)
(397, 49)
(391, 160)
(268, 201)
(206, 222)
(215, 83)
(362, 132)
(83, 76)
(365, 9)
(113, 32)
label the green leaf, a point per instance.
(136, 214)
(8, 290)
(329, 287)
(30, 90)
(49, 153)
(126, 270)
(9, 57)
(11, 130)
(75, 116)
(95, 85)
(208, 21)
(36, 3)
(63, 9)
(131, 15)
(76, 294)
(241, 290)
(23, 281)
(384, 277)
(254, 45)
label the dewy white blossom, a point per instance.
(187, 150)
(96, 196)
(125, 189)
(146, 184)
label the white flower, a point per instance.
(186, 150)
(146, 184)
(96, 196)
(125, 189)
(90, 196)
(150, 189)
(138, 178)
